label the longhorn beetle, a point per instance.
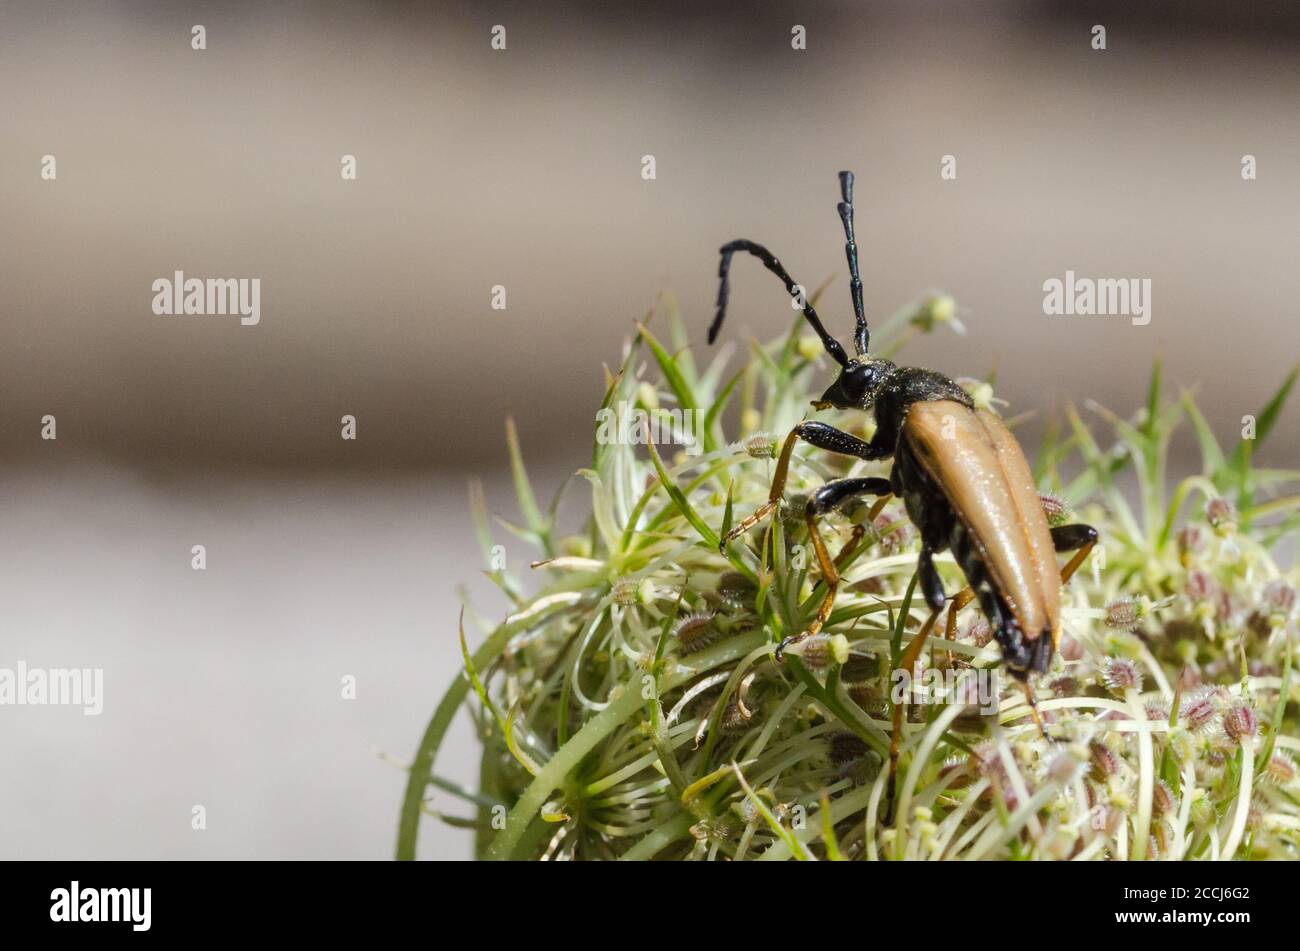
(961, 475)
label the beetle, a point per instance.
(963, 479)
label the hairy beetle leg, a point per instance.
(823, 437)
(830, 496)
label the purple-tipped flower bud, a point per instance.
(1190, 540)
(1199, 710)
(1200, 586)
(1122, 675)
(1123, 615)
(1055, 509)
(1240, 722)
(1162, 798)
(1222, 516)
(980, 632)
(1063, 768)
(1157, 711)
(1105, 761)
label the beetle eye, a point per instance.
(854, 383)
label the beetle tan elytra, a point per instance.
(962, 477)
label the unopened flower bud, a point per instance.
(1105, 761)
(760, 445)
(1240, 722)
(1280, 770)
(1199, 710)
(1162, 798)
(822, 651)
(1222, 516)
(1123, 615)
(1055, 509)
(1122, 675)
(695, 632)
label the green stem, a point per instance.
(566, 759)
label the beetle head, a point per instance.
(857, 385)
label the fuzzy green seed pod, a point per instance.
(695, 632)
(626, 591)
(1202, 813)
(822, 651)
(1055, 509)
(761, 445)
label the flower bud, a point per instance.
(695, 632)
(1055, 509)
(822, 651)
(1199, 710)
(760, 445)
(1122, 675)
(1240, 722)
(1105, 761)
(1222, 516)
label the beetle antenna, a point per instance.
(794, 290)
(860, 335)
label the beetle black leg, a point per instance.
(1078, 538)
(830, 575)
(825, 499)
(931, 583)
(834, 494)
(823, 437)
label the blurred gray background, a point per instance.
(521, 168)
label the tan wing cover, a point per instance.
(982, 471)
